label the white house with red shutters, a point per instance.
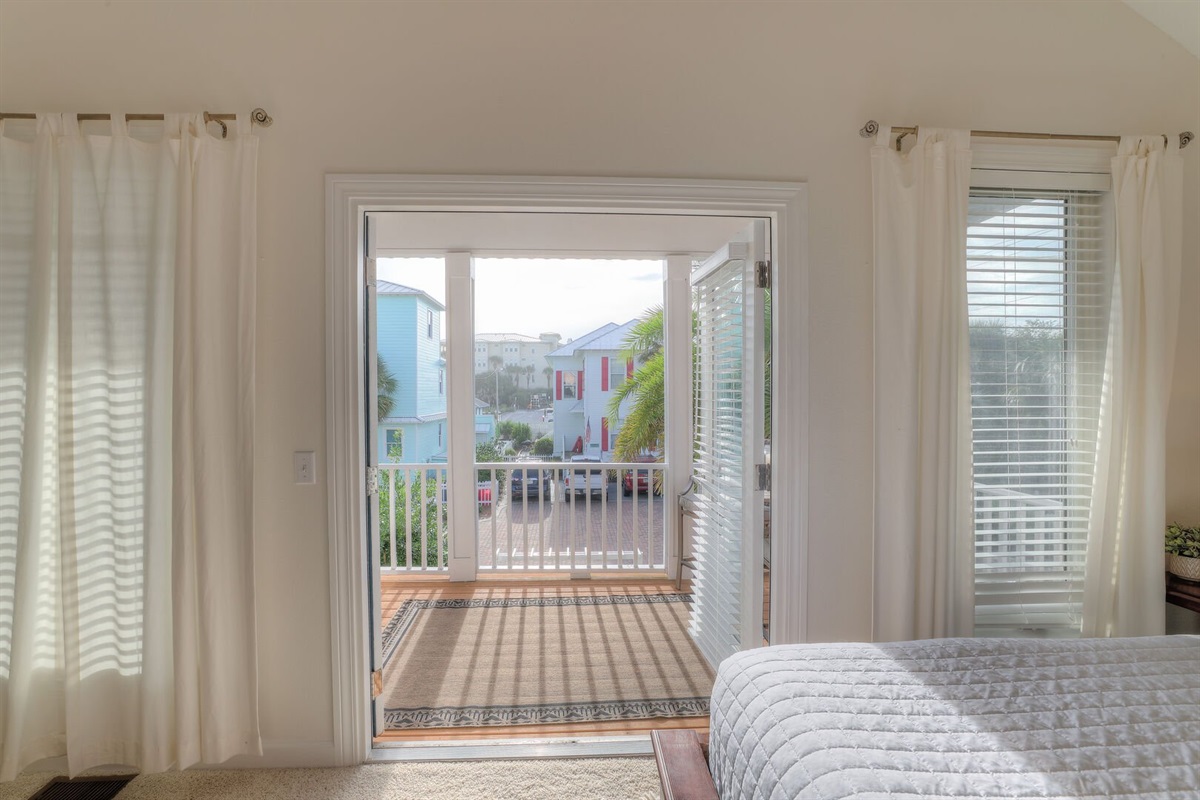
(587, 370)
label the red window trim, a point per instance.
(604, 373)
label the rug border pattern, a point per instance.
(543, 713)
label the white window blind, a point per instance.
(1037, 287)
(717, 466)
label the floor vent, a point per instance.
(99, 788)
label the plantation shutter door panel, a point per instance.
(1038, 296)
(728, 388)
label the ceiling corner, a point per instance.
(1179, 19)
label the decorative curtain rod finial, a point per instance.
(869, 130)
(261, 118)
(1185, 138)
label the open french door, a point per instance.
(371, 412)
(729, 468)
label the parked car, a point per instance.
(583, 478)
(531, 483)
(483, 493)
(643, 481)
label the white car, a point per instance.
(586, 476)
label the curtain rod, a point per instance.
(258, 117)
(872, 128)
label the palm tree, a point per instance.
(385, 388)
(642, 430)
(549, 373)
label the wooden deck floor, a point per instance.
(395, 591)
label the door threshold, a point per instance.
(488, 749)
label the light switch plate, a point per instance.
(304, 466)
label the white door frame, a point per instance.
(349, 197)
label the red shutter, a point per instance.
(629, 369)
(558, 384)
(604, 432)
(604, 373)
(579, 386)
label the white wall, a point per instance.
(734, 90)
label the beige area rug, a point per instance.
(549, 779)
(451, 663)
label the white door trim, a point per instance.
(349, 197)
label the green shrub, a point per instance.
(411, 490)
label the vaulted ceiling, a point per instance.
(1179, 19)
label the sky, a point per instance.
(569, 297)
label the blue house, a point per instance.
(408, 339)
(409, 326)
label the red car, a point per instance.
(643, 481)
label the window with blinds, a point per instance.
(1037, 290)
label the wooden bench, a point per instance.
(682, 760)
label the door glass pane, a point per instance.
(410, 319)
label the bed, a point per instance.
(947, 718)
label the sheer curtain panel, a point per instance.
(1123, 574)
(127, 260)
(923, 546)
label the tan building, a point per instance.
(516, 349)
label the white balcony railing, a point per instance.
(413, 522)
(531, 516)
(1029, 552)
(580, 517)
(1017, 531)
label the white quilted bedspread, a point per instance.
(960, 718)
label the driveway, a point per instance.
(581, 534)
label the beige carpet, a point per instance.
(542, 660)
(549, 779)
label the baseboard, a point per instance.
(277, 753)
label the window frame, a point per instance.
(1016, 168)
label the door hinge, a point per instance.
(371, 274)
(372, 481)
(762, 274)
(376, 683)
(764, 477)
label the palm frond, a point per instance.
(385, 388)
(642, 430)
(645, 338)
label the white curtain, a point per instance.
(923, 520)
(127, 630)
(1123, 574)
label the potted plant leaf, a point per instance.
(1183, 552)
